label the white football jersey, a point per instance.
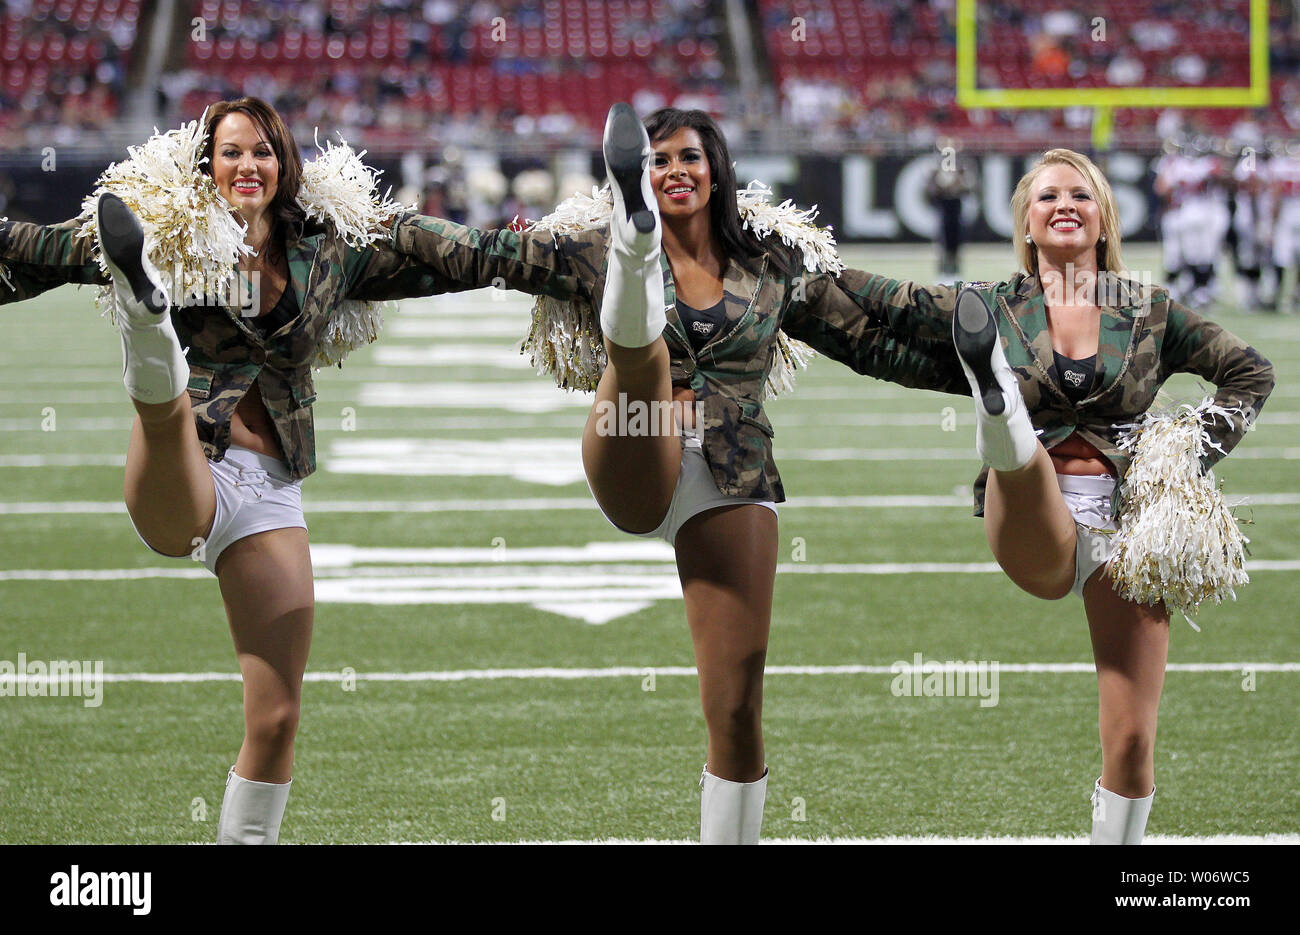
(1284, 173)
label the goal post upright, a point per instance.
(1104, 100)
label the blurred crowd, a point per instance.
(832, 73)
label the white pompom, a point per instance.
(1178, 540)
(339, 188)
(192, 237)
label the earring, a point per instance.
(1103, 238)
(713, 187)
(1029, 238)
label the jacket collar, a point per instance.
(301, 255)
(1118, 299)
(739, 288)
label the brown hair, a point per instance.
(1108, 253)
(285, 210)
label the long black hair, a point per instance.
(737, 242)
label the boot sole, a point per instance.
(975, 334)
(625, 156)
(122, 239)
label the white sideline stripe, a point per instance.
(367, 423)
(526, 504)
(339, 461)
(924, 840)
(476, 326)
(67, 460)
(478, 675)
(504, 574)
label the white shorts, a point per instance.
(1088, 498)
(254, 494)
(696, 492)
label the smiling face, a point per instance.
(680, 174)
(1064, 218)
(244, 165)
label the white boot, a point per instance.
(1116, 819)
(154, 366)
(731, 812)
(632, 310)
(251, 811)
(1004, 436)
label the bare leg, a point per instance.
(633, 476)
(1030, 529)
(726, 559)
(266, 582)
(1130, 643)
(168, 488)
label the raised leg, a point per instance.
(168, 489)
(632, 473)
(632, 476)
(1028, 525)
(1029, 528)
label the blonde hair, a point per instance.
(1108, 251)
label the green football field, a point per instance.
(494, 662)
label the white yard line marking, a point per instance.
(520, 396)
(475, 326)
(529, 504)
(330, 555)
(326, 421)
(639, 672)
(553, 461)
(451, 355)
(593, 593)
(63, 460)
(510, 576)
(921, 840)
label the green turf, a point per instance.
(598, 758)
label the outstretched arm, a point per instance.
(35, 258)
(1243, 377)
(449, 257)
(879, 327)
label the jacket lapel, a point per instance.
(739, 287)
(1116, 334)
(1026, 310)
(674, 328)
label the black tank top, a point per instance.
(285, 311)
(701, 324)
(1076, 376)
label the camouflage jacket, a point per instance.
(225, 354)
(838, 316)
(1144, 338)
